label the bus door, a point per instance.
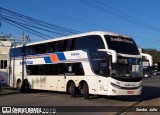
(100, 64)
(103, 79)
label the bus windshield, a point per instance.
(127, 69)
(122, 45)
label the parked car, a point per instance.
(155, 73)
(147, 75)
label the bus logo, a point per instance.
(75, 54)
(130, 85)
(26, 62)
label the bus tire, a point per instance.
(25, 86)
(113, 97)
(18, 84)
(73, 90)
(85, 91)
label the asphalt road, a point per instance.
(151, 89)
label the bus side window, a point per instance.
(60, 68)
(73, 45)
(77, 69)
(69, 45)
(50, 47)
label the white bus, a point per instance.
(99, 63)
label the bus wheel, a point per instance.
(85, 91)
(72, 90)
(113, 97)
(18, 85)
(25, 86)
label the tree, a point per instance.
(154, 53)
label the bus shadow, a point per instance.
(148, 93)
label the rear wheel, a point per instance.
(72, 90)
(113, 97)
(25, 86)
(18, 85)
(2, 90)
(85, 91)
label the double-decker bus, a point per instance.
(99, 63)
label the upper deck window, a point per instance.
(91, 43)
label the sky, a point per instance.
(141, 20)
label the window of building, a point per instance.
(3, 64)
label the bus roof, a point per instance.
(76, 35)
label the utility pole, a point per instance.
(23, 55)
(23, 39)
(0, 17)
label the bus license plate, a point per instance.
(130, 92)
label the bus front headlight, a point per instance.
(115, 85)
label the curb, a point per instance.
(8, 91)
(140, 100)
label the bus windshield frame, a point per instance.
(122, 44)
(127, 69)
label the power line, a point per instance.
(32, 25)
(43, 12)
(28, 30)
(106, 9)
(39, 22)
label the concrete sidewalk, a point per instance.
(8, 90)
(146, 107)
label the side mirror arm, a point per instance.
(110, 52)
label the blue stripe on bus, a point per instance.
(47, 59)
(61, 56)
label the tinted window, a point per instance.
(61, 46)
(77, 69)
(122, 45)
(3, 64)
(73, 69)
(55, 69)
(50, 69)
(50, 47)
(69, 45)
(99, 60)
(100, 63)
(92, 43)
(14, 52)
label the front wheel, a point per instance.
(18, 85)
(25, 86)
(2, 91)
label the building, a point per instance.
(5, 46)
